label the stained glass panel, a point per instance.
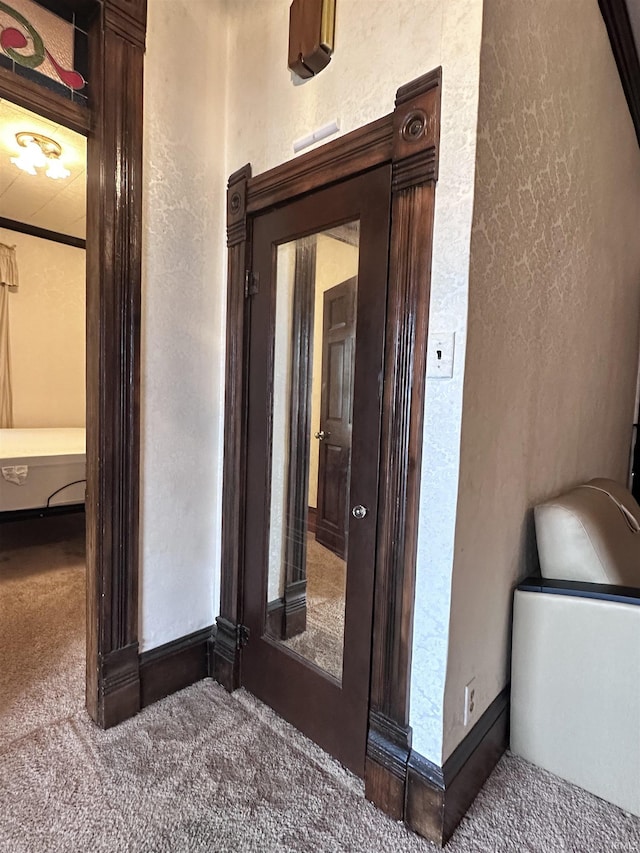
(48, 48)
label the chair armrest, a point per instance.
(599, 591)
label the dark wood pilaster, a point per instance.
(226, 654)
(416, 128)
(114, 234)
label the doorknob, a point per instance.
(322, 435)
(359, 511)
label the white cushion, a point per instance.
(590, 534)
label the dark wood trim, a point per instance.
(312, 514)
(226, 657)
(175, 665)
(113, 124)
(437, 798)
(295, 607)
(275, 618)
(49, 104)
(287, 616)
(295, 581)
(408, 139)
(416, 123)
(580, 589)
(114, 238)
(42, 233)
(118, 685)
(625, 51)
(345, 157)
(127, 19)
(388, 750)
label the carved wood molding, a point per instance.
(295, 608)
(118, 685)
(114, 236)
(416, 125)
(388, 750)
(127, 18)
(345, 157)
(226, 656)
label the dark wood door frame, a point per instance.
(113, 126)
(408, 139)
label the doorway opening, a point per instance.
(42, 434)
(110, 35)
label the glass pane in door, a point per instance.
(313, 377)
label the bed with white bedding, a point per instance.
(41, 468)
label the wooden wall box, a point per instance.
(311, 28)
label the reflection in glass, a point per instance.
(313, 366)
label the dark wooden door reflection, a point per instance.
(316, 349)
(334, 435)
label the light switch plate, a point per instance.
(440, 351)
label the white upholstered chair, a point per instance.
(575, 676)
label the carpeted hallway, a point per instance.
(42, 622)
(205, 771)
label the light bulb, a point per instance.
(24, 163)
(38, 152)
(30, 158)
(56, 169)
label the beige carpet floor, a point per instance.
(205, 771)
(323, 640)
(42, 622)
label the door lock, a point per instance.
(359, 511)
(321, 435)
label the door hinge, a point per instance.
(242, 636)
(251, 284)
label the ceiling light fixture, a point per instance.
(40, 151)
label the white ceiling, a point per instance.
(57, 205)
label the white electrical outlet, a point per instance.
(440, 349)
(469, 701)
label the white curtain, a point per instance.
(8, 281)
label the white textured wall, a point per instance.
(47, 333)
(183, 326)
(379, 46)
(553, 310)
